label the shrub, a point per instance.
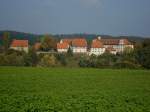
(11, 60)
(48, 61)
(62, 59)
(83, 63)
(127, 64)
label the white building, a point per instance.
(20, 45)
(117, 45)
(79, 45)
(97, 47)
(62, 47)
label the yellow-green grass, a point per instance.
(74, 90)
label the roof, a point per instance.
(62, 45)
(110, 41)
(79, 42)
(19, 43)
(115, 41)
(96, 44)
(67, 41)
(126, 42)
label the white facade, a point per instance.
(79, 49)
(113, 52)
(119, 48)
(62, 50)
(25, 49)
(97, 51)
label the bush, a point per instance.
(143, 57)
(62, 59)
(11, 60)
(127, 64)
(48, 61)
(83, 63)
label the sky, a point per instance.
(112, 17)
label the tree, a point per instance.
(31, 58)
(48, 43)
(69, 52)
(6, 37)
(143, 57)
(143, 54)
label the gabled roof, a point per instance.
(69, 41)
(126, 42)
(110, 41)
(115, 41)
(19, 43)
(62, 45)
(79, 42)
(96, 44)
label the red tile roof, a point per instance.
(19, 43)
(69, 41)
(96, 44)
(62, 45)
(115, 41)
(110, 41)
(126, 42)
(79, 42)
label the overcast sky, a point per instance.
(114, 17)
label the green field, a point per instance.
(74, 90)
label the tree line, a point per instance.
(139, 58)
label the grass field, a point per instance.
(74, 90)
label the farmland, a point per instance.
(74, 90)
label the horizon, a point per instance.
(138, 36)
(99, 17)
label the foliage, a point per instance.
(48, 43)
(18, 58)
(143, 54)
(62, 59)
(31, 59)
(11, 59)
(73, 90)
(6, 41)
(48, 61)
(126, 64)
(69, 52)
(83, 62)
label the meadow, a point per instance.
(30, 89)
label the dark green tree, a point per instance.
(31, 59)
(69, 52)
(6, 40)
(142, 54)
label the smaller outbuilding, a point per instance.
(62, 47)
(20, 45)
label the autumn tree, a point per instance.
(48, 43)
